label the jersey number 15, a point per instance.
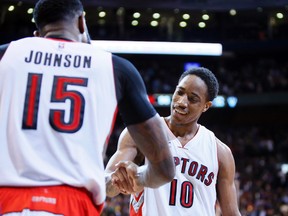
(59, 94)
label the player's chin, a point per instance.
(176, 120)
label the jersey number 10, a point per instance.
(59, 94)
(186, 194)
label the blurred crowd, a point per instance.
(261, 163)
(265, 75)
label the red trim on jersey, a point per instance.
(115, 111)
(131, 208)
(139, 196)
(60, 39)
(112, 126)
(62, 199)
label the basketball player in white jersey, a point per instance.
(205, 166)
(59, 96)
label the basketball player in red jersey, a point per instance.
(59, 96)
(205, 167)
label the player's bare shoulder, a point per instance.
(221, 146)
(224, 152)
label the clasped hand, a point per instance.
(127, 178)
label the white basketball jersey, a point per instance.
(193, 190)
(57, 110)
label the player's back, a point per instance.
(57, 106)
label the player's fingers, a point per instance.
(122, 164)
(114, 178)
(118, 183)
(124, 175)
(132, 173)
(129, 187)
(123, 180)
(124, 188)
(127, 192)
(129, 168)
(120, 173)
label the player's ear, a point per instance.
(83, 29)
(81, 23)
(207, 106)
(36, 33)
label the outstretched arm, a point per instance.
(226, 190)
(126, 151)
(159, 168)
(151, 139)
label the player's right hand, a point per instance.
(121, 180)
(130, 180)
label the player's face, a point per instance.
(189, 100)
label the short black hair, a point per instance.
(50, 11)
(207, 76)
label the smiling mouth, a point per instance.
(180, 112)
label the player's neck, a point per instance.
(185, 131)
(59, 31)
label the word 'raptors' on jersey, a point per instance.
(193, 168)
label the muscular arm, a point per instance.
(226, 190)
(151, 139)
(127, 152)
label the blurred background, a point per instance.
(250, 115)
